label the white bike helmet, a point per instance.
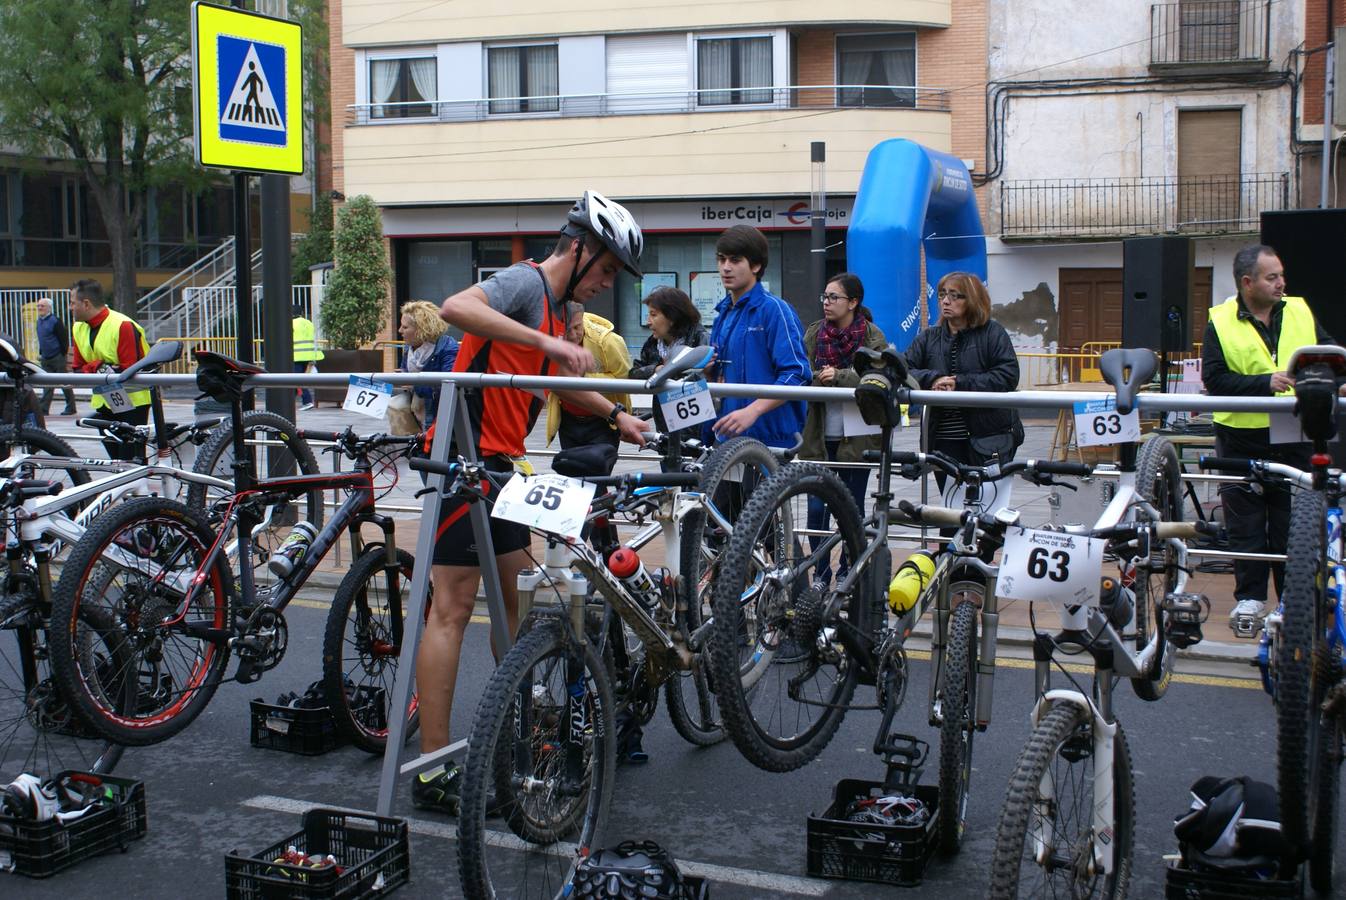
(612, 224)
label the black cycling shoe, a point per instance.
(439, 794)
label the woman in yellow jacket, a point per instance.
(576, 426)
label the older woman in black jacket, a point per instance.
(967, 351)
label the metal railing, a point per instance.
(1202, 32)
(709, 100)
(212, 311)
(18, 315)
(1205, 204)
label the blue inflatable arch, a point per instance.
(911, 197)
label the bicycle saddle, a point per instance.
(221, 377)
(586, 461)
(12, 362)
(1316, 370)
(162, 352)
(1128, 371)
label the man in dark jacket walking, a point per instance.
(53, 343)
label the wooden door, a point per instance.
(1201, 303)
(1091, 307)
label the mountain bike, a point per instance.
(1302, 643)
(17, 436)
(1068, 824)
(158, 571)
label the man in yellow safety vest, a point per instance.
(306, 350)
(107, 341)
(1248, 341)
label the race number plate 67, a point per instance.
(367, 397)
(548, 502)
(1050, 565)
(1097, 422)
(686, 405)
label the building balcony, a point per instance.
(723, 143)
(1125, 207)
(1228, 35)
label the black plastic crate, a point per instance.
(372, 852)
(307, 731)
(1188, 884)
(41, 849)
(887, 854)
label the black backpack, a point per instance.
(1233, 826)
(632, 871)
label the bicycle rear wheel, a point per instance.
(782, 708)
(958, 707)
(542, 753)
(362, 647)
(1325, 777)
(733, 470)
(1044, 843)
(1302, 629)
(1158, 480)
(32, 440)
(129, 575)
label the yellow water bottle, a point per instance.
(910, 579)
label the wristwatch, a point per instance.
(617, 410)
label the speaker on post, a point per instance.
(1309, 243)
(1157, 292)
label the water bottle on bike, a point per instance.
(294, 546)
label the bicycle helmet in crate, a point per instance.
(633, 870)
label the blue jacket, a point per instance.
(52, 337)
(441, 360)
(761, 341)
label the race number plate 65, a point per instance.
(115, 396)
(687, 405)
(1050, 565)
(1098, 422)
(367, 397)
(548, 502)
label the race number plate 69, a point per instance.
(115, 396)
(1050, 565)
(367, 397)
(549, 502)
(687, 405)
(1097, 422)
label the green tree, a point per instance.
(356, 299)
(315, 247)
(107, 85)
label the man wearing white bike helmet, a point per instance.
(513, 322)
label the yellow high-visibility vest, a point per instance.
(104, 349)
(1246, 353)
(305, 341)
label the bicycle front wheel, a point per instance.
(542, 753)
(1302, 628)
(958, 708)
(778, 649)
(1158, 480)
(128, 578)
(732, 472)
(32, 440)
(1325, 777)
(362, 647)
(1044, 843)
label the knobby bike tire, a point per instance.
(781, 612)
(360, 654)
(1159, 480)
(133, 713)
(1064, 722)
(1300, 631)
(690, 696)
(958, 705)
(211, 460)
(39, 440)
(542, 872)
(1325, 777)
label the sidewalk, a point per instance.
(1033, 501)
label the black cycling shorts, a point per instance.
(455, 545)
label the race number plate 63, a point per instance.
(1097, 422)
(687, 405)
(368, 397)
(549, 502)
(1050, 565)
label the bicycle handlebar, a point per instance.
(959, 471)
(1226, 464)
(647, 479)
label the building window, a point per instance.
(877, 69)
(524, 78)
(4, 203)
(408, 86)
(729, 69)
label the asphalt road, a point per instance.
(209, 792)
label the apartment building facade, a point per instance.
(474, 132)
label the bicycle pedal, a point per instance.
(1184, 614)
(1246, 627)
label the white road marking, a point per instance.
(771, 882)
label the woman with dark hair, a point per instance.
(966, 350)
(831, 342)
(674, 323)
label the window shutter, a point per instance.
(648, 64)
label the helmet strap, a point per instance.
(576, 273)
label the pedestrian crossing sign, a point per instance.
(248, 85)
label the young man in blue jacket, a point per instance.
(758, 339)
